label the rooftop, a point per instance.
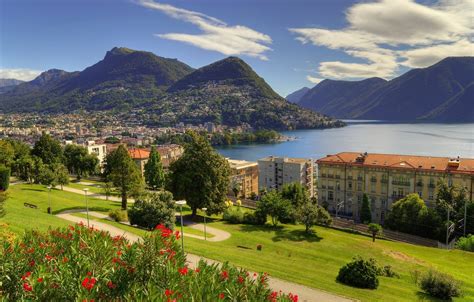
(285, 159)
(439, 164)
(136, 153)
(240, 164)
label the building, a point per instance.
(100, 150)
(343, 178)
(275, 172)
(168, 154)
(244, 176)
(140, 157)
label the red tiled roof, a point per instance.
(136, 153)
(439, 164)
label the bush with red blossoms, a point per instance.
(82, 264)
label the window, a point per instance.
(430, 195)
(349, 185)
(372, 187)
(420, 193)
(330, 195)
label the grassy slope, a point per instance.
(287, 252)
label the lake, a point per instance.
(366, 136)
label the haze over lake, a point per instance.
(366, 136)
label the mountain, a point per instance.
(296, 96)
(435, 93)
(8, 84)
(164, 91)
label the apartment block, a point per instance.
(244, 176)
(275, 172)
(343, 178)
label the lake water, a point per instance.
(366, 136)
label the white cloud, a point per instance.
(375, 29)
(217, 35)
(426, 56)
(19, 74)
(313, 79)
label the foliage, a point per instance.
(121, 170)
(154, 173)
(47, 176)
(48, 149)
(375, 229)
(112, 140)
(7, 153)
(3, 199)
(200, 176)
(62, 175)
(439, 285)
(310, 214)
(233, 215)
(365, 212)
(108, 188)
(78, 264)
(275, 206)
(4, 178)
(466, 243)
(387, 271)
(118, 215)
(79, 162)
(410, 215)
(152, 209)
(360, 273)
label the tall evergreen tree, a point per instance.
(124, 173)
(154, 174)
(365, 213)
(200, 176)
(48, 149)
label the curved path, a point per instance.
(304, 293)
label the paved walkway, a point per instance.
(304, 293)
(94, 195)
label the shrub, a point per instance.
(256, 218)
(79, 263)
(118, 215)
(152, 209)
(4, 178)
(439, 285)
(466, 243)
(387, 271)
(359, 273)
(233, 215)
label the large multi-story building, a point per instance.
(100, 150)
(275, 172)
(343, 179)
(168, 154)
(244, 177)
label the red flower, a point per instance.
(183, 271)
(177, 234)
(32, 263)
(119, 253)
(197, 270)
(168, 292)
(88, 283)
(240, 280)
(48, 257)
(89, 274)
(26, 275)
(273, 297)
(39, 280)
(221, 296)
(65, 259)
(27, 287)
(225, 275)
(111, 285)
(293, 298)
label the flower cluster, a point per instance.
(82, 264)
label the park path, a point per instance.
(94, 195)
(304, 293)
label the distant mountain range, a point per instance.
(442, 92)
(8, 84)
(297, 95)
(166, 91)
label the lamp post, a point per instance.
(181, 203)
(87, 205)
(49, 199)
(205, 233)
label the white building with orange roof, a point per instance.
(343, 178)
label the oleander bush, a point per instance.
(439, 285)
(360, 273)
(83, 264)
(466, 243)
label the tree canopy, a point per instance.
(154, 173)
(48, 149)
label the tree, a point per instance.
(236, 187)
(108, 187)
(154, 174)
(47, 176)
(153, 209)
(7, 153)
(200, 176)
(275, 206)
(124, 173)
(79, 162)
(4, 178)
(48, 149)
(375, 229)
(296, 194)
(25, 168)
(62, 175)
(310, 214)
(365, 213)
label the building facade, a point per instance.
(275, 172)
(168, 154)
(343, 179)
(244, 177)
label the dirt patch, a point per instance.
(404, 257)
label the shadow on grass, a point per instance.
(281, 233)
(96, 209)
(425, 297)
(36, 190)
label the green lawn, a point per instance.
(288, 253)
(95, 187)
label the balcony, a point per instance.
(400, 183)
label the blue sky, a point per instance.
(289, 43)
